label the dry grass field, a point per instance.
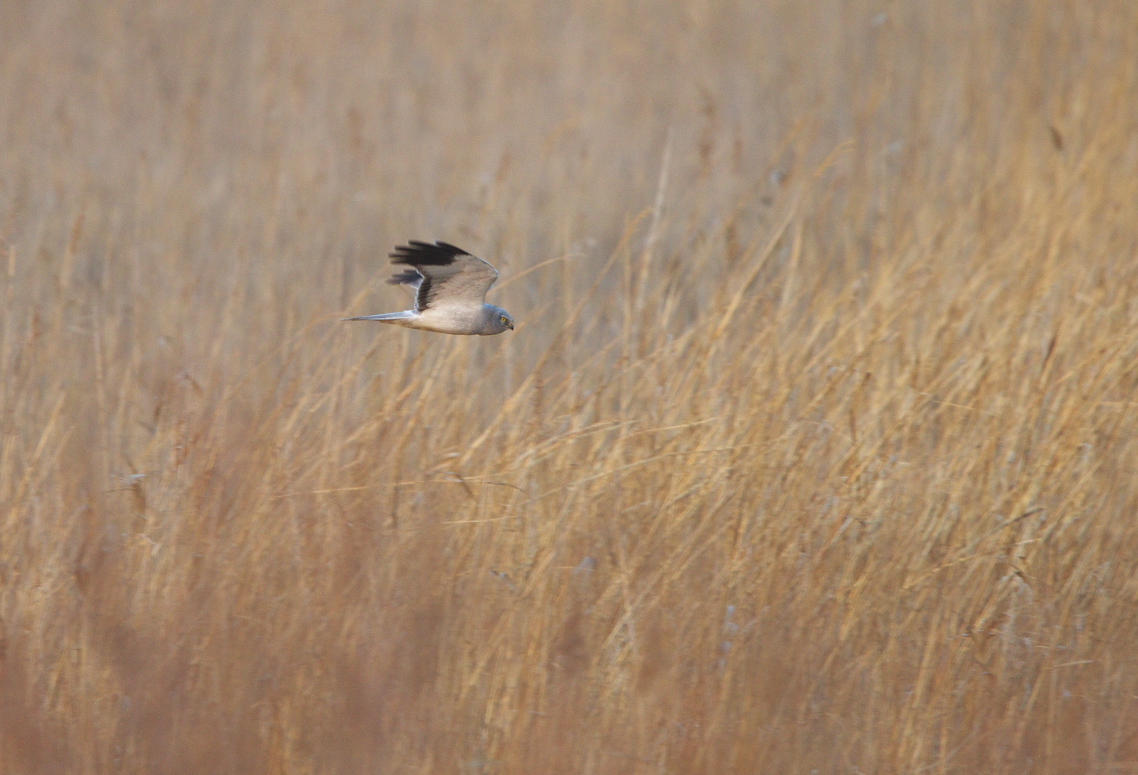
(815, 449)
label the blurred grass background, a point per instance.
(814, 449)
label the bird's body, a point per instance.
(450, 291)
(459, 320)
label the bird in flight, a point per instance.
(450, 291)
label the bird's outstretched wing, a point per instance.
(443, 274)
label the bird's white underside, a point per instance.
(445, 320)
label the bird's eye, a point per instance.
(504, 320)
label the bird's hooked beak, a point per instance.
(510, 324)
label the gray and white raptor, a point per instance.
(450, 291)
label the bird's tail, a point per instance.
(388, 317)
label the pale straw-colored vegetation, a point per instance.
(814, 450)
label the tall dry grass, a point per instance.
(814, 450)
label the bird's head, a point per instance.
(502, 320)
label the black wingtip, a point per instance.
(406, 277)
(426, 254)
